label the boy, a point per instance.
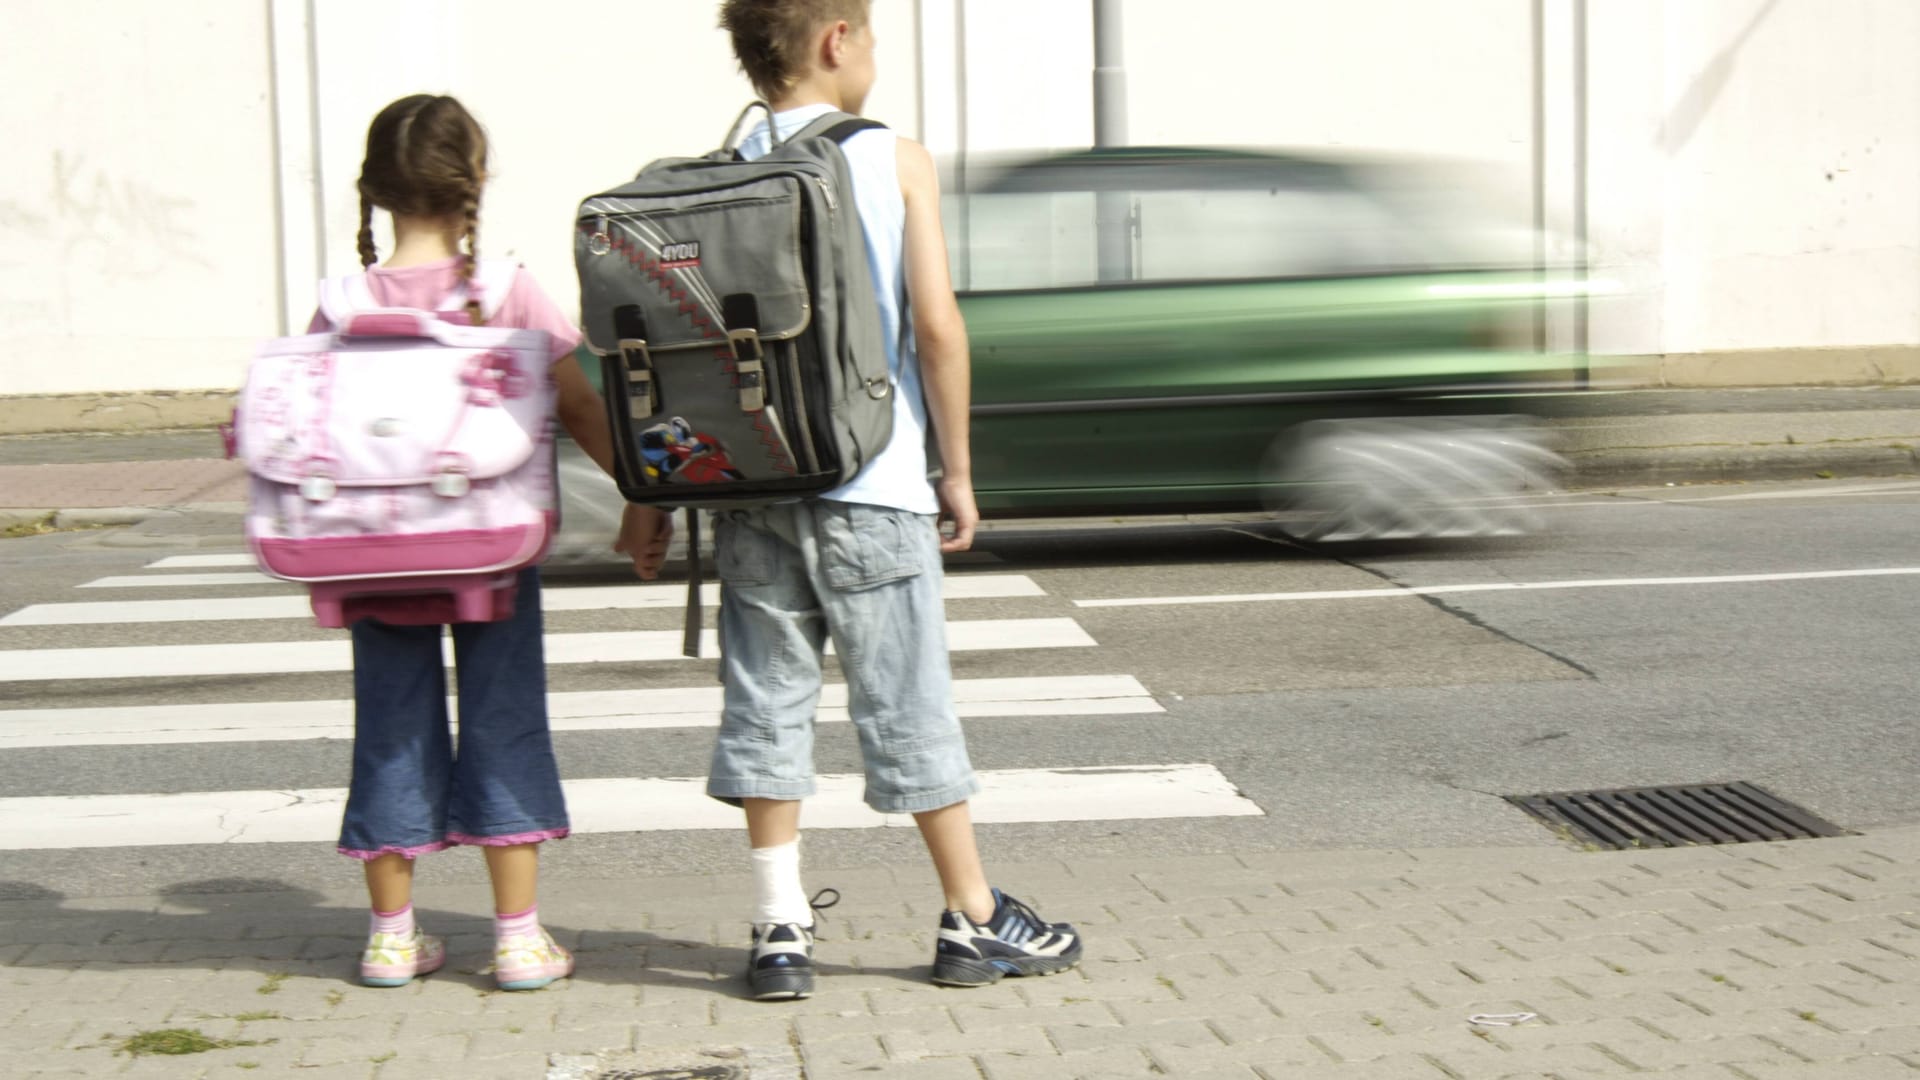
(862, 562)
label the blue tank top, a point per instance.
(897, 476)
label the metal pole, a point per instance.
(1113, 209)
(1582, 308)
(961, 181)
(1109, 76)
(1537, 15)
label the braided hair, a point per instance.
(426, 156)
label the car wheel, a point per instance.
(1415, 478)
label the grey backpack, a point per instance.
(733, 310)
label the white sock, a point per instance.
(778, 894)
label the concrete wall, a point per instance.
(1751, 167)
(137, 214)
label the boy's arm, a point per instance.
(644, 530)
(945, 364)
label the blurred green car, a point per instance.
(1181, 330)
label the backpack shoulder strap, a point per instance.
(340, 297)
(835, 126)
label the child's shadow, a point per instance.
(280, 930)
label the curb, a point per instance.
(1629, 467)
(91, 517)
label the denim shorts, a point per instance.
(867, 577)
(412, 791)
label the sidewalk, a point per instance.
(1783, 961)
(1613, 440)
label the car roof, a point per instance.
(1167, 168)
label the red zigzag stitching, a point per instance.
(651, 267)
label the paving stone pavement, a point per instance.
(1784, 961)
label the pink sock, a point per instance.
(520, 924)
(394, 922)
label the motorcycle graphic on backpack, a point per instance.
(674, 451)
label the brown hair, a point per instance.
(426, 156)
(771, 38)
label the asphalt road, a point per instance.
(1367, 721)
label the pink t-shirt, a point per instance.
(427, 285)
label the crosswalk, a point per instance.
(259, 692)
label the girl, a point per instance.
(411, 791)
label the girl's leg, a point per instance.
(397, 803)
(506, 783)
(515, 871)
(506, 788)
(390, 882)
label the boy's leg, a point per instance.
(772, 633)
(948, 833)
(881, 585)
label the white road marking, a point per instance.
(173, 581)
(612, 806)
(1394, 592)
(201, 562)
(553, 598)
(287, 657)
(608, 710)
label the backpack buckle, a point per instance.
(749, 366)
(638, 361)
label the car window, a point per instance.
(1171, 226)
(1025, 240)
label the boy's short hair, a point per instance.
(771, 37)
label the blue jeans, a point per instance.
(412, 791)
(868, 576)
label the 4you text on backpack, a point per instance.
(733, 307)
(401, 463)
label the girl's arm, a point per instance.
(582, 412)
(644, 530)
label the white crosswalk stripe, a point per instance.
(250, 814)
(610, 647)
(598, 710)
(610, 805)
(294, 605)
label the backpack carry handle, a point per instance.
(397, 323)
(737, 133)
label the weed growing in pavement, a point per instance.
(41, 526)
(272, 985)
(176, 1041)
(334, 998)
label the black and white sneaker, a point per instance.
(780, 964)
(1016, 941)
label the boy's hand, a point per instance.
(644, 534)
(956, 508)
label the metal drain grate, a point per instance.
(1735, 813)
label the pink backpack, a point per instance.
(402, 463)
